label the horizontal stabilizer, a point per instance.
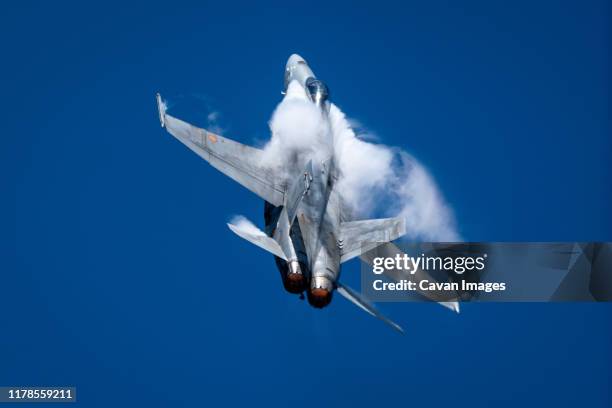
(358, 300)
(245, 229)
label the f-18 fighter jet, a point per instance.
(306, 226)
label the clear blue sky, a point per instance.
(120, 277)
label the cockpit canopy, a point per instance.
(318, 91)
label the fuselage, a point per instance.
(314, 262)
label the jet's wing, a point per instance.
(240, 162)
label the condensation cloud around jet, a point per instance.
(376, 179)
(327, 193)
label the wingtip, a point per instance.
(454, 306)
(161, 108)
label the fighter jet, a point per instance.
(306, 226)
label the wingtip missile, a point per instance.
(161, 108)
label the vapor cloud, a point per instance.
(299, 131)
(376, 180)
(247, 226)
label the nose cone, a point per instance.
(294, 59)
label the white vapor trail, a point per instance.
(374, 178)
(245, 225)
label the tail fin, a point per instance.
(372, 233)
(247, 230)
